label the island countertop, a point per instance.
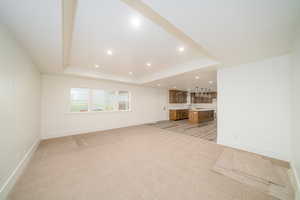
(202, 109)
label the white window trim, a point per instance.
(116, 104)
(129, 100)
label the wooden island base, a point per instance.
(200, 116)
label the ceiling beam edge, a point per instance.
(68, 14)
(155, 17)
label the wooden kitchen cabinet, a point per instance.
(178, 114)
(200, 116)
(195, 99)
(177, 96)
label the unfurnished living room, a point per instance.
(150, 100)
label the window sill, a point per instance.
(96, 112)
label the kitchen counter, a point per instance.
(178, 114)
(202, 109)
(195, 115)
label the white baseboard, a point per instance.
(15, 174)
(294, 176)
(250, 148)
(82, 131)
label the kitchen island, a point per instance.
(178, 114)
(201, 115)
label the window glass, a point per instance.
(79, 99)
(84, 100)
(123, 100)
(102, 100)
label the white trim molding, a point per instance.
(52, 135)
(294, 177)
(203, 63)
(17, 171)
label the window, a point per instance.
(79, 99)
(102, 100)
(94, 100)
(123, 100)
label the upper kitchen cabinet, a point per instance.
(203, 98)
(177, 96)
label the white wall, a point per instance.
(296, 108)
(19, 106)
(254, 111)
(147, 105)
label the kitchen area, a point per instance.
(191, 103)
(192, 113)
(197, 106)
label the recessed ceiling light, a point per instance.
(135, 21)
(130, 73)
(210, 82)
(197, 77)
(97, 66)
(180, 49)
(148, 64)
(158, 85)
(109, 52)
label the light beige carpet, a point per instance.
(255, 171)
(135, 163)
(253, 165)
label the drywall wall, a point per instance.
(296, 109)
(20, 108)
(147, 105)
(254, 111)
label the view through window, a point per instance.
(123, 103)
(102, 100)
(85, 100)
(79, 99)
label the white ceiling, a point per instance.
(37, 26)
(233, 31)
(95, 32)
(189, 80)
